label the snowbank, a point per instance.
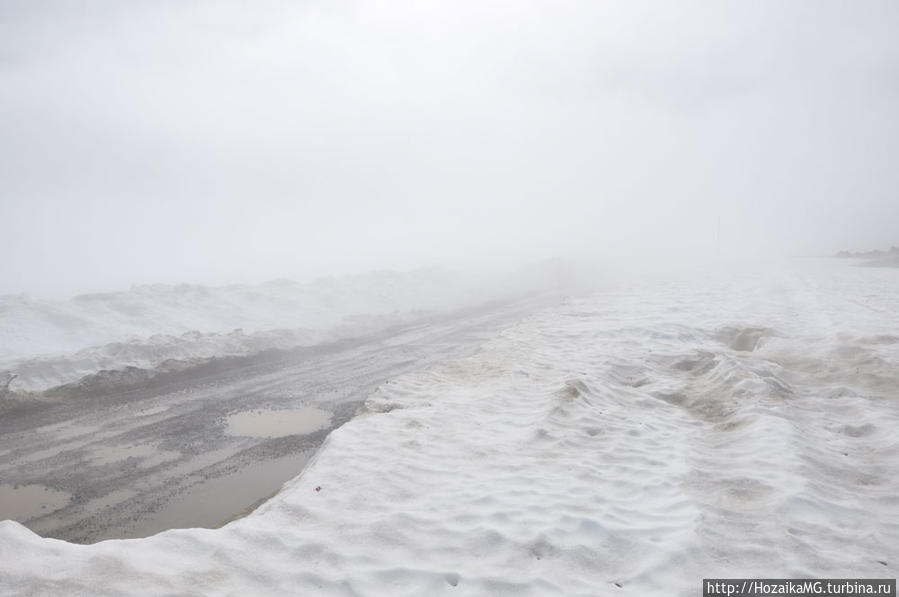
(630, 443)
(48, 343)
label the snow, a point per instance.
(47, 343)
(632, 442)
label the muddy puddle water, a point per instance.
(217, 501)
(278, 423)
(24, 502)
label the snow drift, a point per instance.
(629, 443)
(48, 343)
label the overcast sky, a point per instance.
(216, 141)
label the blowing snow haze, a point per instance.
(478, 297)
(230, 141)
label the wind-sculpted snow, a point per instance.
(632, 442)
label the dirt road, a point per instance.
(200, 447)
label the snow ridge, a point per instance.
(49, 343)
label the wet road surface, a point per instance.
(206, 445)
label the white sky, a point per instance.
(234, 141)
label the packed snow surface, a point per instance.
(632, 442)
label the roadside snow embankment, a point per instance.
(49, 343)
(630, 443)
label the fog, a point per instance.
(221, 142)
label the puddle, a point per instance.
(217, 501)
(45, 526)
(278, 423)
(24, 502)
(110, 499)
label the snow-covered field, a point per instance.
(51, 342)
(719, 425)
